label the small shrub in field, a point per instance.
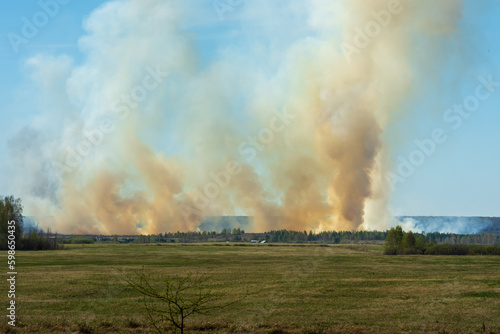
(410, 251)
(82, 241)
(446, 249)
(460, 249)
(400, 243)
(493, 250)
(178, 298)
(392, 250)
(85, 328)
(133, 324)
(78, 241)
(476, 250)
(443, 249)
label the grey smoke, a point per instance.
(26, 150)
(445, 224)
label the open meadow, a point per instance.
(283, 289)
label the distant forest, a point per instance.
(286, 236)
(468, 230)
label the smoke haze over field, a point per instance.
(459, 225)
(146, 133)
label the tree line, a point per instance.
(11, 209)
(328, 237)
(398, 242)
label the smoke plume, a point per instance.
(283, 122)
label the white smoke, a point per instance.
(131, 158)
(458, 225)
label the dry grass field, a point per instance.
(283, 289)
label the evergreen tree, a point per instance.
(409, 240)
(11, 209)
(393, 240)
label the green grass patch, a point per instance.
(309, 289)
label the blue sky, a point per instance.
(460, 178)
